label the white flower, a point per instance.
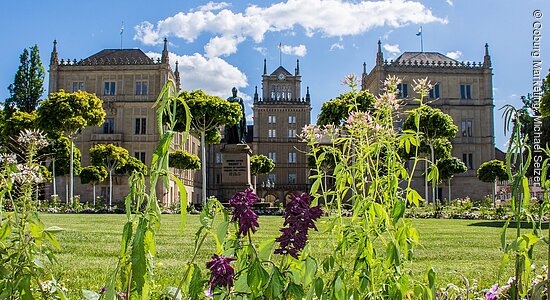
(32, 139)
(8, 159)
(28, 174)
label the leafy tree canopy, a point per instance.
(18, 121)
(69, 112)
(208, 113)
(442, 149)
(183, 160)
(261, 164)
(450, 166)
(132, 165)
(337, 110)
(28, 84)
(109, 155)
(433, 123)
(93, 174)
(491, 170)
(60, 151)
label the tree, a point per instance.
(16, 122)
(337, 110)
(490, 171)
(183, 160)
(434, 125)
(67, 114)
(132, 165)
(59, 152)
(208, 113)
(28, 85)
(448, 168)
(93, 175)
(111, 157)
(260, 164)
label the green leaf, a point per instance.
(241, 285)
(220, 235)
(526, 192)
(398, 210)
(5, 230)
(257, 276)
(265, 249)
(309, 271)
(183, 201)
(503, 243)
(90, 295)
(295, 290)
(196, 286)
(413, 197)
(339, 289)
(315, 186)
(276, 284)
(126, 237)
(53, 229)
(319, 285)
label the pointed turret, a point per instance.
(297, 72)
(487, 57)
(308, 97)
(379, 55)
(265, 67)
(177, 75)
(256, 94)
(164, 58)
(54, 59)
(364, 68)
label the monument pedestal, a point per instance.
(235, 170)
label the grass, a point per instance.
(456, 249)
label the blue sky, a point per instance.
(222, 44)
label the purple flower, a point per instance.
(300, 218)
(242, 212)
(222, 272)
(493, 293)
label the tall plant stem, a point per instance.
(178, 290)
(203, 167)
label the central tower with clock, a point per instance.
(279, 116)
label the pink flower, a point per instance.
(493, 293)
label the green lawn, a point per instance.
(90, 244)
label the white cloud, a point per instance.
(450, 2)
(262, 50)
(386, 35)
(336, 46)
(213, 6)
(392, 49)
(213, 75)
(332, 18)
(456, 55)
(299, 50)
(222, 46)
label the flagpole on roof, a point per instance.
(121, 32)
(280, 54)
(421, 35)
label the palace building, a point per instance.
(462, 90)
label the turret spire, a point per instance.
(256, 94)
(164, 58)
(54, 59)
(297, 67)
(487, 57)
(177, 75)
(379, 55)
(364, 68)
(265, 67)
(308, 97)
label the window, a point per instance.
(291, 157)
(291, 119)
(218, 178)
(141, 87)
(218, 158)
(402, 90)
(434, 92)
(109, 126)
(292, 178)
(292, 133)
(141, 126)
(271, 119)
(272, 156)
(78, 86)
(140, 156)
(104, 193)
(110, 88)
(468, 159)
(465, 91)
(466, 128)
(272, 133)
(271, 177)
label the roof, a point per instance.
(117, 56)
(279, 70)
(425, 57)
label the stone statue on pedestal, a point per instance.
(236, 134)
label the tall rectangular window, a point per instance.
(141, 87)
(141, 126)
(468, 159)
(271, 177)
(78, 86)
(272, 133)
(109, 126)
(272, 156)
(140, 155)
(109, 88)
(271, 119)
(292, 133)
(292, 178)
(402, 90)
(465, 91)
(291, 157)
(291, 119)
(434, 92)
(466, 128)
(218, 158)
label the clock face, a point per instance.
(281, 77)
